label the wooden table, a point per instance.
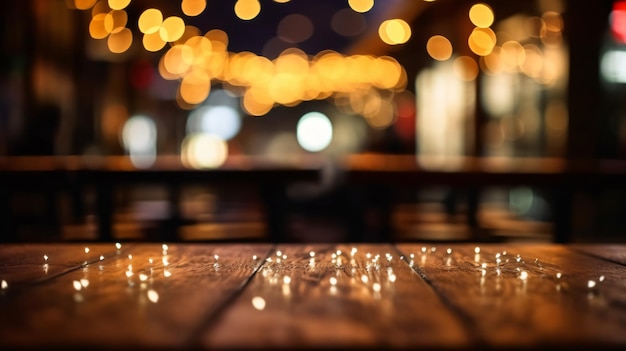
(292, 296)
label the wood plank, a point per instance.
(25, 263)
(181, 289)
(526, 305)
(294, 304)
(612, 252)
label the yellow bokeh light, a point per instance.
(482, 41)
(218, 38)
(195, 87)
(100, 7)
(481, 15)
(512, 55)
(118, 4)
(172, 29)
(203, 151)
(120, 41)
(96, 27)
(115, 21)
(178, 59)
(247, 9)
(439, 47)
(394, 31)
(361, 5)
(533, 61)
(189, 32)
(193, 8)
(465, 68)
(84, 4)
(153, 42)
(492, 64)
(257, 101)
(150, 21)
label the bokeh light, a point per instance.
(247, 9)
(439, 47)
(201, 151)
(314, 131)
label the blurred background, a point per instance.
(205, 81)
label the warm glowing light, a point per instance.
(77, 285)
(150, 21)
(153, 42)
(96, 27)
(394, 31)
(481, 15)
(361, 5)
(618, 21)
(247, 9)
(258, 303)
(172, 29)
(204, 151)
(118, 4)
(84, 4)
(465, 68)
(115, 21)
(193, 8)
(314, 131)
(153, 296)
(482, 41)
(4, 284)
(195, 87)
(121, 41)
(439, 47)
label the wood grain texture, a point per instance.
(23, 264)
(344, 301)
(521, 302)
(159, 306)
(612, 252)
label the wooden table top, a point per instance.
(262, 295)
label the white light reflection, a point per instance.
(153, 296)
(77, 285)
(4, 284)
(258, 303)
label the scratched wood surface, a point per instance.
(259, 295)
(129, 302)
(534, 296)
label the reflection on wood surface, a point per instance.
(404, 295)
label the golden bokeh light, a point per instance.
(481, 15)
(203, 150)
(492, 64)
(482, 41)
(247, 9)
(193, 8)
(512, 55)
(150, 21)
(118, 4)
(533, 61)
(195, 87)
(394, 31)
(465, 68)
(153, 42)
(172, 29)
(439, 47)
(120, 41)
(115, 21)
(97, 29)
(100, 7)
(361, 5)
(84, 4)
(178, 59)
